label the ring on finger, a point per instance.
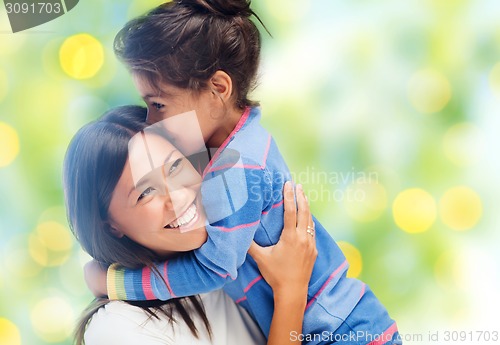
(310, 230)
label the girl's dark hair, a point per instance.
(93, 165)
(184, 42)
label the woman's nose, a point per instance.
(167, 201)
(173, 199)
(172, 194)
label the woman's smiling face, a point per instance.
(157, 201)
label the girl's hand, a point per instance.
(287, 266)
(95, 277)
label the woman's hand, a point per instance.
(287, 267)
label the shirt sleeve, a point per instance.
(234, 191)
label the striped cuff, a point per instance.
(115, 281)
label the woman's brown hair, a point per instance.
(184, 42)
(93, 165)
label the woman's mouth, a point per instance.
(189, 216)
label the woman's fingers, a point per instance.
(254, 250)
(290, 220)
(311, 227)
(259, 253)
(303, 216)
(297, 214)
(311, 222)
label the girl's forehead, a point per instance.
(149, 88)
(145, 85)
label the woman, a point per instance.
(122, 214)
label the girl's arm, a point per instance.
(235, 192)
(287, 267)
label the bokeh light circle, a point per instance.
(53, 319)
(429, 91)
(414, 210)
(50, 244)
(460, 208)
(353, 256)
(81, 56)
(9, 144)
(9, 333)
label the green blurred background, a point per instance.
(387, 111)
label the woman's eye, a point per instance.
(175, 166)
(157, 106)
(144, 194)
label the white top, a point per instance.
(121, 323)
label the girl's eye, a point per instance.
(175, 166)
(144, 194)
(157, 106)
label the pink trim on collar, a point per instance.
(243, 119)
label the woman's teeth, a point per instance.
(185, 218)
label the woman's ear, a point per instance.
(115, 232)
(221, 85)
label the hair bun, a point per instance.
(220, 7)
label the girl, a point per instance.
(105, 212)
(200, 57)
